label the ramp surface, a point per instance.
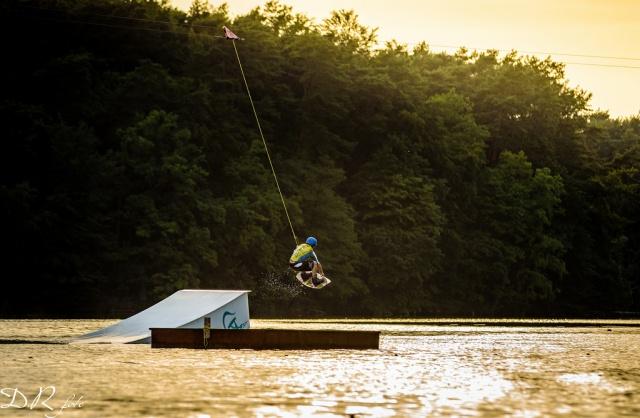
(183, 309)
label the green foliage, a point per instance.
(464, 184)
(343, 28)
(516, 214)
(165, 210)
(400, 224)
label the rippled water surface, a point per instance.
(423, 368)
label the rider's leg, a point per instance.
(317, 268)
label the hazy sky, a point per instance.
(609, 28)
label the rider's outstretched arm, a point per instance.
(318, 267)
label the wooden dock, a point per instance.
(263, 339)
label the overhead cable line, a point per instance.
(190, 25)
(566, 54)
(188, 33)
(598, 65)
(136, 19)
(125, 27)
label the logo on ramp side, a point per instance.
(229, 321)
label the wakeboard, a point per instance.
(309, 281)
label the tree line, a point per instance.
(437, 184)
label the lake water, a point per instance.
(423, 368)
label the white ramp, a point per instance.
(228, 309)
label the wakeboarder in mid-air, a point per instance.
(305, 262)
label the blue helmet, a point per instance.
(312, 241)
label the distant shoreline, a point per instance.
(460, 321)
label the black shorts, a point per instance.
(306, 265)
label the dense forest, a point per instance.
(473, 183)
